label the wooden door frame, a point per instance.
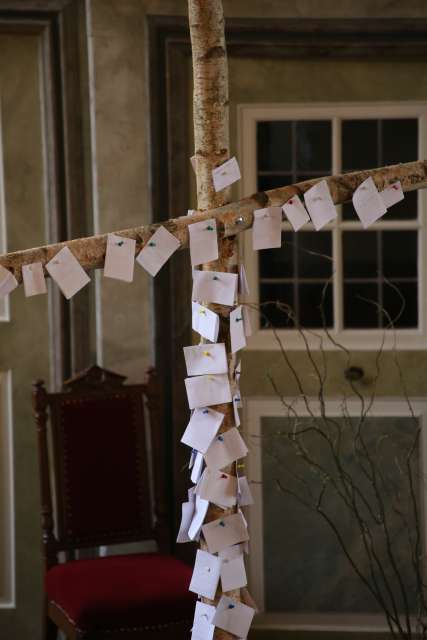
(61, 26)
(169, 82)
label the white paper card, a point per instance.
(197, 467)
(65, 269)
(229, 553)
(236, 403)
(200, 511)
(203, 629)
(233, 574)
(226, 174)
(205, 358)
(204, 391)
(233, 616)
(392, 194)
(205, 322)
(203, 242)
(368, 203)
(34, 280)
(193, 161)
(225, 449)
(202, 428)
(119, 258)
(243, 281)
(320, 204)
(187, 513)
(237, 330)
(267, 228)
(218, 487)
(8, 282)
(296, 213)
(244, 495)
(215, 286)
(157, 251)
(205, 578)
(225, 532)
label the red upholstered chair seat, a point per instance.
(122, 591)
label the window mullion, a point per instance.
(337, 276)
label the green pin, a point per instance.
(209, 228)
(121, 243)
(151, 244)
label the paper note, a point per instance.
(267, 228)
(368, 203)
(66, 271)
(205, 322)
(203, 629)
(196, 471)
(296, 213)
(392, 194)
(229, 553)
(205, 578)
(119, 258)
(218, 487)
(202, 428)
(200, 511)
(237, 330)
(233, 574)
(8, 282)
(226, 174)
(225, 449)
(187, 513)
(243, 285)
(34, 280)
(236, 402)
(203, 242)
(204, 391)
(193, 161)
(215, 286)
(320, 204)
(225, 532)
(157, 251)
(244, 495)
(205, 358)
(233, 616)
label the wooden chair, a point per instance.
(103, 496)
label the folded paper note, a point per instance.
(200, 511)
(392, 194)
(237, 329)
(215, 286)
(157, 251)
(202, 428)
(34, 280)
(296, 213)
(244, 495)
(233, 574)
(66, 271)
(267, 228)
(225, 449)
(368, 203)
(233, 616)
(203, 629)
(243, 281)
(205, 578)
(320, 205)
(218, 487)
(203, 242)
(204, 391)
(205, 322)
(119, 258)
(8, 282)
(205, 358)
(196, 471)
(187, 513)
(225, 532)
(226, 174)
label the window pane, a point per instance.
(360, 255)
(358, 313)
(399, 140)
(273, 181)
(270, 313)
(393, 304)
(399, 254)
(315, 300)
(314, 251)
(274, 146)
(277, 263)
(359, 144)
(314, 145)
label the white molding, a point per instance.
(7, 600)
(254, 410)
(247, 117)
(4, 302)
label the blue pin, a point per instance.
(205, 411)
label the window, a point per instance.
(342, 276)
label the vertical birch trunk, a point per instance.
(211, 136)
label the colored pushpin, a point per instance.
(222, 523)
(215, 278)
(120, 243)
(205, 411)
(151, 244)
(220, 438)
(209, 228)
(207, 353)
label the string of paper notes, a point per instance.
(208, 382)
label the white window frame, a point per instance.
(7, 497)
(248, 115)
(255, 409)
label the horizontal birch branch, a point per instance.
(232, 218)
